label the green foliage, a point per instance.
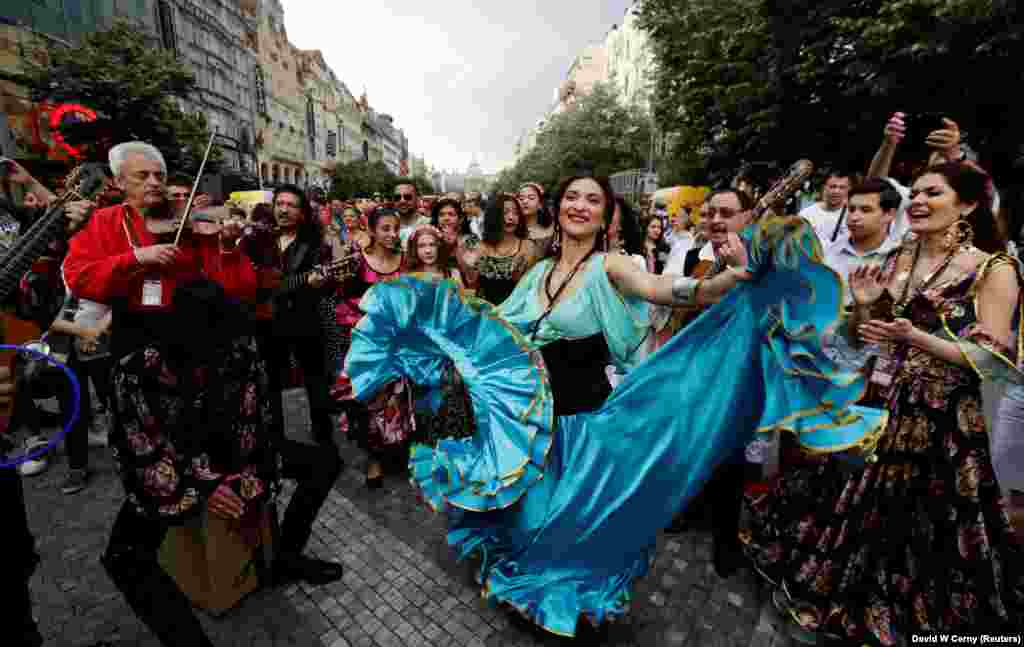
(599, 135)
(752, 81)
(132, 86)
(361, 178)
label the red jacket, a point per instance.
(101, 264)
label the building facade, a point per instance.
(282, 140)
(322, 105)
(630, 60)
(214, 38)
(281, 112)
(218, 40)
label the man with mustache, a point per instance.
(726, 213)
(300, 302)
(406, 201)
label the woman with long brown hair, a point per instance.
(539, 226)
(566, 483)
(505, 253)
(383, 426)
(919, 540)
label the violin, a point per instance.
(206, 222)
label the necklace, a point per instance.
(899, 308)
(553, 298)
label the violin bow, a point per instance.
(195, 185)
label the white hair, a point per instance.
(120, 153)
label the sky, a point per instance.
(464, 79)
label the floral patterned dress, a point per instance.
(180, 432)
(918, 541)
(388, 421)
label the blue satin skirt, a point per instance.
(564, 512)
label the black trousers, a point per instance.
(131, 555)
(21, 558)
(723, 494)
(77, 441)
(309, 352)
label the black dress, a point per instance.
(576, 368)
(499, 275)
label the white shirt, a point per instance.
(707, 253)
(824, 222)
(682, 243)
(901, 224)
(842, 257)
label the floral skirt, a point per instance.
(454, 418)
(916, 542)
(387, 422)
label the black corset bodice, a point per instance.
(576, 368)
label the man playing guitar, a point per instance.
(300, 291)
(14, 586)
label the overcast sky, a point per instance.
(462, 78)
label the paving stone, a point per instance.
(402, 585)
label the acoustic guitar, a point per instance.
(83, 183)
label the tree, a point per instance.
(599, 135)
(362, 178)
(769, 81)
(132, 86)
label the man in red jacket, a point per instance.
(192, 415)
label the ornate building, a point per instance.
(216, 38)
(281, 139)
(322, 106)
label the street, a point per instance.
(401, 584)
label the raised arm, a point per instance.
(674, 289)
(998, 294)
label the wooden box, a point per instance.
(213, 562)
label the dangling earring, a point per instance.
(959, 234)
(556, 241)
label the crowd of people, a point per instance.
(566, 376)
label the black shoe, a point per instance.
(375, 483)
(292, 568)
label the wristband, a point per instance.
(684, 290)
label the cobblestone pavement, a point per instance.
(401, 584)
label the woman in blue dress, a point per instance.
(562, 490)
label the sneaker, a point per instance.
(38, 465)
(98, 439)
(76, 481)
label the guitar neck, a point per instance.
(28, 248)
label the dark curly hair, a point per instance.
(609, 207)
(435, 214)
(494, 219)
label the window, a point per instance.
(165, 14)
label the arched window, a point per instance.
(276, 172)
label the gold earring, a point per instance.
(959, 234)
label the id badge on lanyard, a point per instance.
(152, 292)
(152, 287)
(884, 370)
